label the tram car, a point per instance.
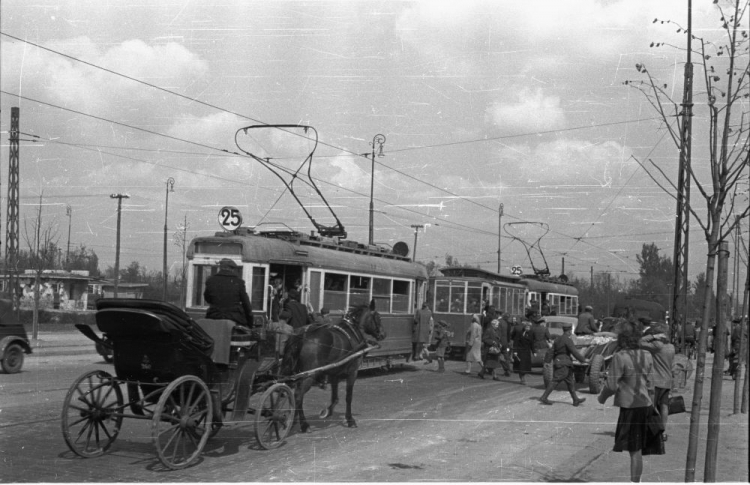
(328, 272)
(459, 292)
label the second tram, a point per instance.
(461, 292)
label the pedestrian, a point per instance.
(562, 349)
(503, 331)
(523, 348)
(656, 340)
(226, 295)
(542, 338)
(420, 331)
(282, 331)
(586, 322)
(491, 349)
(631, 380)
(735, 348)
(474, 344)
(440, 338)
(299, 314)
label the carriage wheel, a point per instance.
(182, 421)
(274, 416)
(92, 414)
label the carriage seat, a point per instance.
(226, 334)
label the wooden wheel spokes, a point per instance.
(182, 421)
(92, 414)
(274, 416)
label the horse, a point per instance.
(324, 345)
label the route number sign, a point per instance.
(516, 270)
(230, 218)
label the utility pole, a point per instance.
(499, 237)
(170, 188)
(682, 222)
(378, 140)
(11, 221)
(416, 228)
(69, 213)
(119, 198)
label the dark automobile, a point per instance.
(14, 343)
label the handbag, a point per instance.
(676, 405)
(493, 350)
(654, 422)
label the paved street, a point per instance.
(414, 425)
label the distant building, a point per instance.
(59, 290)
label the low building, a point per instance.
(59, 290)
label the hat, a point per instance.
(285, 315)
(645, 320)
(567, 326)
(443, 323)
(227, 263)
(294, 294)
(495, 321)
(588, 307)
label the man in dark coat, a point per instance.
(586, 322)
(541, 335)
(226, 295)
(562, 349)
(503, 331)
(299, 314)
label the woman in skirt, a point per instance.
(474, 344)
(523, 348)
(630, 380)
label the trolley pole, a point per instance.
(378, 140)
(416, 228)
(499, 237)
(119, 198)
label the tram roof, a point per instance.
(547, 286)
(315, 252)
(467, 272)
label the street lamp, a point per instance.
(378, 140)
(416, 228)
(170, 188)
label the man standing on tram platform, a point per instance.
(299, 314)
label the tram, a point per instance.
(461, 291)
(330, 273)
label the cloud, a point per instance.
(569, 162)
(532, 111)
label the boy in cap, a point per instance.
(562, 348)
(440, 338)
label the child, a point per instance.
(440, 339)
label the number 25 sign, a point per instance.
(230, 218)
(516, 270)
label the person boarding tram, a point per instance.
(226, 295)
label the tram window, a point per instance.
(201, 272)
(381, 293)
(314, 297)
(359, 290)
(442, 299)
(496, 298)
(518, 302)
(458, 298)
(401, 291)
(503, 301)
(334, 291)
(257, 287)
(474, 298)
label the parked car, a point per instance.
(14, 344)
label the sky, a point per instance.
(481, 103)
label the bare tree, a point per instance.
(42, 244)
(723, 66)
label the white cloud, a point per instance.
(532, 111)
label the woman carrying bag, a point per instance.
(631, 380)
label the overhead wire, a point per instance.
(232, 153)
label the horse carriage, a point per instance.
(189, 378)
